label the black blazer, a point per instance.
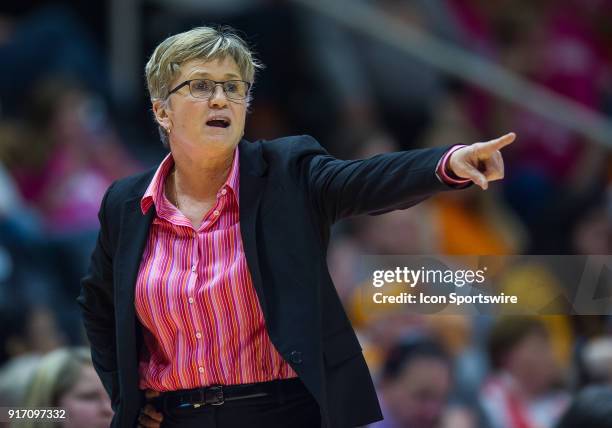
(291, 192)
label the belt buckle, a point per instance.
(201, 400)
(215, 393)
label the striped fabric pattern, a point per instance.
(195, 298)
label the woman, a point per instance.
(209, 284)
(66, 379)
(525, 388)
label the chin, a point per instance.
(221, 140)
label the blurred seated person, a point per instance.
(15, 377)
(591, 408)
(523, 389)
(65, 154)
(596, 361)
(66, 378)
(415, 385)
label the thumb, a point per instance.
(476, 176)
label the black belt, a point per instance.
(216, 395)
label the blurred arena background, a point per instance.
(363, 77)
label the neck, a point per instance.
(522, 389)
(201, 178)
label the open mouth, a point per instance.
(218, 123)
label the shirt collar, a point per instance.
(155, 190)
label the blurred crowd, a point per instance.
(64, 137)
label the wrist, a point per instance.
(445, 173)
(448, 170)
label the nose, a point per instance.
(105, 407)
(218, 98)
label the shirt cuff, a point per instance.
(444, 176)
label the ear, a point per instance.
(163, 113)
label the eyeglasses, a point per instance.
(204, 88)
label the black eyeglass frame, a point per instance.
(222, 83)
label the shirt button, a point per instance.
(193, 268)
(201, 369)
(223, 191)
(216, 212)
(191, 300)
(198, 335)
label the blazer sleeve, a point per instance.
(97, 308)
(382, 183)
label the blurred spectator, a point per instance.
(69, 155)
(523, 390)
(592, 231)
(15, 377)
(66, 378)
(62, 155)
(415, 385)
(596, 359)
(584, 215)
(399, 232)
(539, 289)
(592, 408)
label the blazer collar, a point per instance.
(252, 161)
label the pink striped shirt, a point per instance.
(195, 298)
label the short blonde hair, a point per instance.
(206, 43)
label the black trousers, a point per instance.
(295, 410)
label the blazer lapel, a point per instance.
(252, 184)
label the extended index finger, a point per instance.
(499, 143)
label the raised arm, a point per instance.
(390, 181)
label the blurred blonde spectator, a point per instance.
(66, 378)
(15, 376)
